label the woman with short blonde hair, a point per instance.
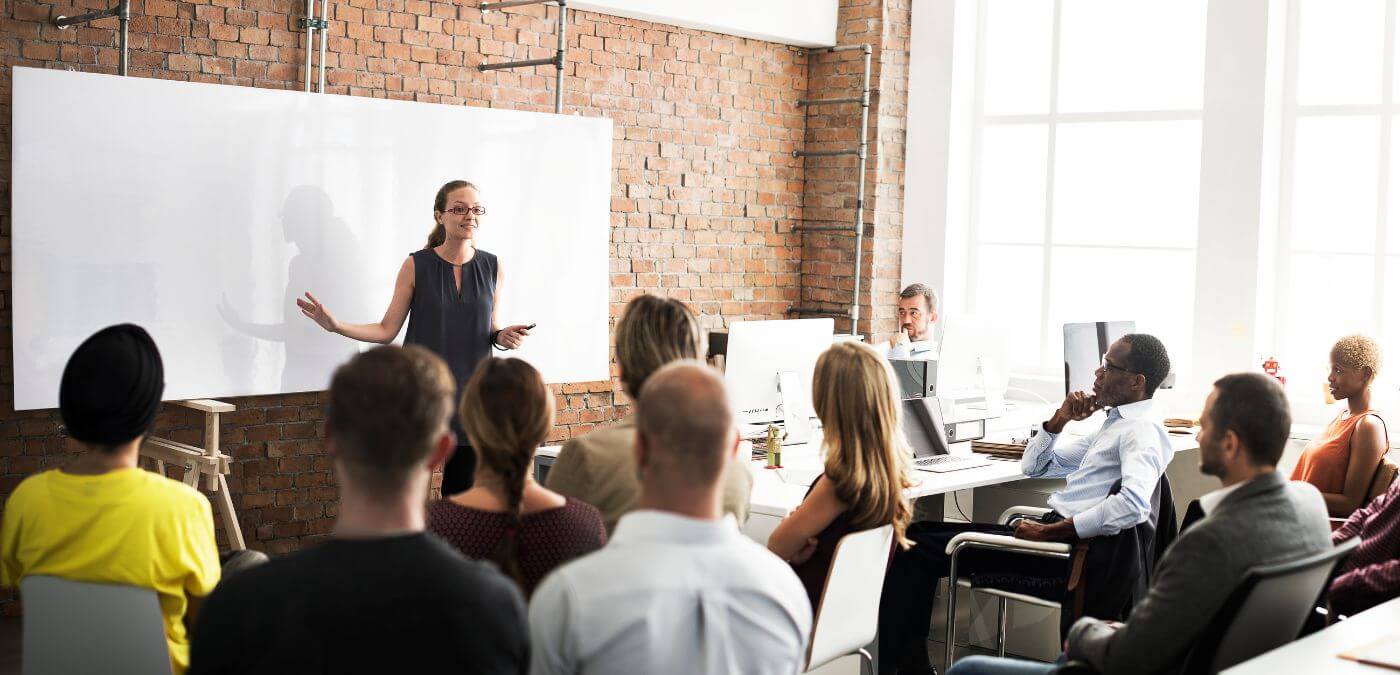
(866, 469)
(1342, 460)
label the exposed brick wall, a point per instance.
(705, 192)
(830, 191)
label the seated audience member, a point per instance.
(103, 519)
(381, 595)
(863, 480)
(1256, 518)
(507, 518)
(917, 311)
(1131, 450)
(1371, 574)
(678, 588)
(599, 468)
(1342, 461)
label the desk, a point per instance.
(1317, 653)
(776, 492)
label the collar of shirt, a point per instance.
(1143, 409)
(1212, 499)
(672, 528)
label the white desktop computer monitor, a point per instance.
(970, 362)
(761, 353)
(1085, 345)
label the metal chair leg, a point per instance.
(952, 611)
(1001, 627)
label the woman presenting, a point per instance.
(447, 291)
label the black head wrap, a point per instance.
(112, 385)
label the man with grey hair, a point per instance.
(677, 583)
(917, 311)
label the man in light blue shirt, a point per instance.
(678, 588)
(1131, 450)
(1132, 447)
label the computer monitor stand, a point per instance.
(793, 393)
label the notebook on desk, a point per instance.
(1384, 652)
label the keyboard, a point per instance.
(942, 463)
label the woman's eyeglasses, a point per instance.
(464, 210)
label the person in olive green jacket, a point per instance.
(599, 468)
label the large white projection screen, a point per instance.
(201, 211)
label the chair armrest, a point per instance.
(1022, 512)
(1006, 543)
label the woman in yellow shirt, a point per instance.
(103, 519)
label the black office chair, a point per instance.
(1266, 611)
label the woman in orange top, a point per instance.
(1342, 460)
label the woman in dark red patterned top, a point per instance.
(506, 517)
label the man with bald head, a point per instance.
(677, 583)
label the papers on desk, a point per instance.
(1384, 652)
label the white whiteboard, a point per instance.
(200, 211)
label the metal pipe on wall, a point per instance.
(123, 18)
(123, 13)
(321, 64)
(310, 23)
(559, 58)
(860, 188)
(858, 226)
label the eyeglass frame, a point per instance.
(1109, 366)
(477, 210)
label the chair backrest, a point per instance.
(1266, 610)
(78, 627)
(850, 603)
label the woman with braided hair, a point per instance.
(506, 517)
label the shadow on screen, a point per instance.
(330, 263)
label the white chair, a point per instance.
(849, 614)
(75, 627)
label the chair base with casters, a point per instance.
(848, 615)
(75, 627)
(996, 542)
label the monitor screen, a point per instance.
(923, 426)
(758, 351)
(1085, 345)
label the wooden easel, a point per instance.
(206, 461)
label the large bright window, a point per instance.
(1085, 170)
(1338, 242)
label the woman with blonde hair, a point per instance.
(506, 517)
(1343, 460)
(866, 467)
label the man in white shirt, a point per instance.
(678, 588)
(917, 312)
(1111, 480)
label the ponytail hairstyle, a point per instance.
(507, 411)
(439, 233)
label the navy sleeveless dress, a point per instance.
(456, 325)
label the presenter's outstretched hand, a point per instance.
(511, 337)
(314, 310)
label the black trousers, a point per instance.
(906, 606)
(460, 471)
